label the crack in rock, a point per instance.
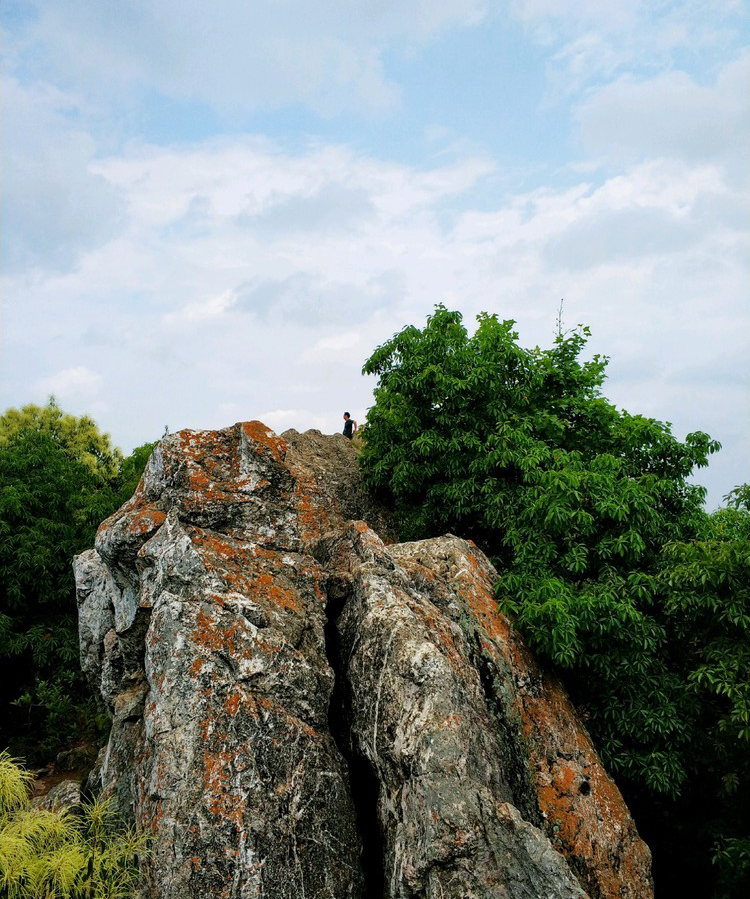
(302, 707)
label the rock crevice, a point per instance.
(301, 707)
(363, 782)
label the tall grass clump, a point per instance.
(69, 854)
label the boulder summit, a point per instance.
(304, 709)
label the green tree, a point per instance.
(48, 511)
(589, 516)
(573, 500)
(56, 486)
(131, 471)
(706, 583)
(77, 435)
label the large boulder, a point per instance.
(301, 707)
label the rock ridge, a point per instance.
(302, 707)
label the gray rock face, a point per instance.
(64, 795)
(419, 716)
(301, 710)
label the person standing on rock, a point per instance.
(350, 426)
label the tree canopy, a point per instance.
(606, 557)
(77, 435)
(59, 478)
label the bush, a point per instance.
(65, 854)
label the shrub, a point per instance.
(82, 854)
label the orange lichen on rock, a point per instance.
(261, 707)
(210, 635)
(146, 520)
(476, 589)
(218, 797)
(232, 761)
(269, 708)
(228, 548)
(210, 461)
(313, 519)
(197, 666)
(153, 820)
(213, 451)
(257, 432)
(245, 569)
(436, 625)
(279, 596)
(208, 490)
(572, 787)
(134, 503)
(232, 703)
(583, 813)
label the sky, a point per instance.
(214, 212)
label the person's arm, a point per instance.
(354, 428)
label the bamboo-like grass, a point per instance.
(82, 853)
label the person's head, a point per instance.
(346, 416)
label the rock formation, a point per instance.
(301, 708)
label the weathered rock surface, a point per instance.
(302, 710)
(64, 795)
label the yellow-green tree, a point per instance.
(79, 436)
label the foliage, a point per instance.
(572, 499)
(605, 555)
(62, 854)
(79, 436)
(131, 471)
(706, 583)
(55, 487)
(708, 601)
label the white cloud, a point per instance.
(670, 115)
(237, 56)
(225, 319)
(230, 278)
(75, 382)
(55, 207)
(591, 41)
(330, 206)
(333, 346)
(281, 419)
(541, 14)
(198, 311)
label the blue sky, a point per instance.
(214, 212)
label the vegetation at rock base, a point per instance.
(59, 478)
(607, 559)
(68, 854)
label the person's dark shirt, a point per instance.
(347, 432)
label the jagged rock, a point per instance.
(77, 758)
(63, 795)
(457, 722)
(300, 709)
